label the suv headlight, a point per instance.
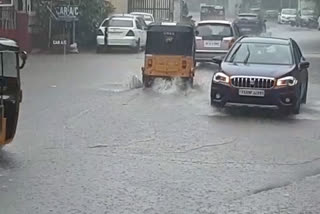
(221, 78)
(287, 81)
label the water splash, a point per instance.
(133, 82)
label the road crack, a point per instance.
(206, 146)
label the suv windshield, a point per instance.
(120, 23)
(259, 53)
(222, 30)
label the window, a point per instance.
(20, 5)
(297, 52)
(139, 26)
(221, 30)
(236, 29)
(120, 23)
(105, 23)
(9, 64)
(261, 53)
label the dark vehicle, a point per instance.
(262, 72)
(11, 93)
(250, 24)
(170, 53)
(306, 18)
(212, 12)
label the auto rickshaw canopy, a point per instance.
(170, 39)
(8, 45)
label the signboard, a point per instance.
(67, 11)
(6, 3)
(59, 42)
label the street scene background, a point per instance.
(91, 140)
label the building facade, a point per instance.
(16, 22)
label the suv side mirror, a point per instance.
(304, 65)
(197, 33)
(23, 55)
(217, 60)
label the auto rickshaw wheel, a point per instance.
(147, 81)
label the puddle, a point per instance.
(133, 82)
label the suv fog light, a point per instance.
(287, 100)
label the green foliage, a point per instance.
(92, 12)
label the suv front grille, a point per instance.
(252, 82)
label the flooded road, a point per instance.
(92, 140)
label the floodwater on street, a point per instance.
(91, 139)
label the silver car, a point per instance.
(214, 38)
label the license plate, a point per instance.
(212, 44)
(251, 93)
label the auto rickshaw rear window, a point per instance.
(170, 43)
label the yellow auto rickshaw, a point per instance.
(170, 53)
(11, 61)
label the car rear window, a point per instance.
(260, 53)
(148, 18)
(120, 23)
(222, 30)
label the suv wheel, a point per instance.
(296, 108)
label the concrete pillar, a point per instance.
(177, 10)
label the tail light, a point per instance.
(149, 62)
(231, 43)
(130, 33)
(100, 33)
(184, 64)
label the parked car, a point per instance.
(122, 31)
(214, 38)
(287, 15)
(251, 24)
(148, 17)
(262, 72)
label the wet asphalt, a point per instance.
(91, 140)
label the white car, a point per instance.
(122, 31)
(148, 17)
(287, 15)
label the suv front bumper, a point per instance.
(274, 98)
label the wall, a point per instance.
(120, 5)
